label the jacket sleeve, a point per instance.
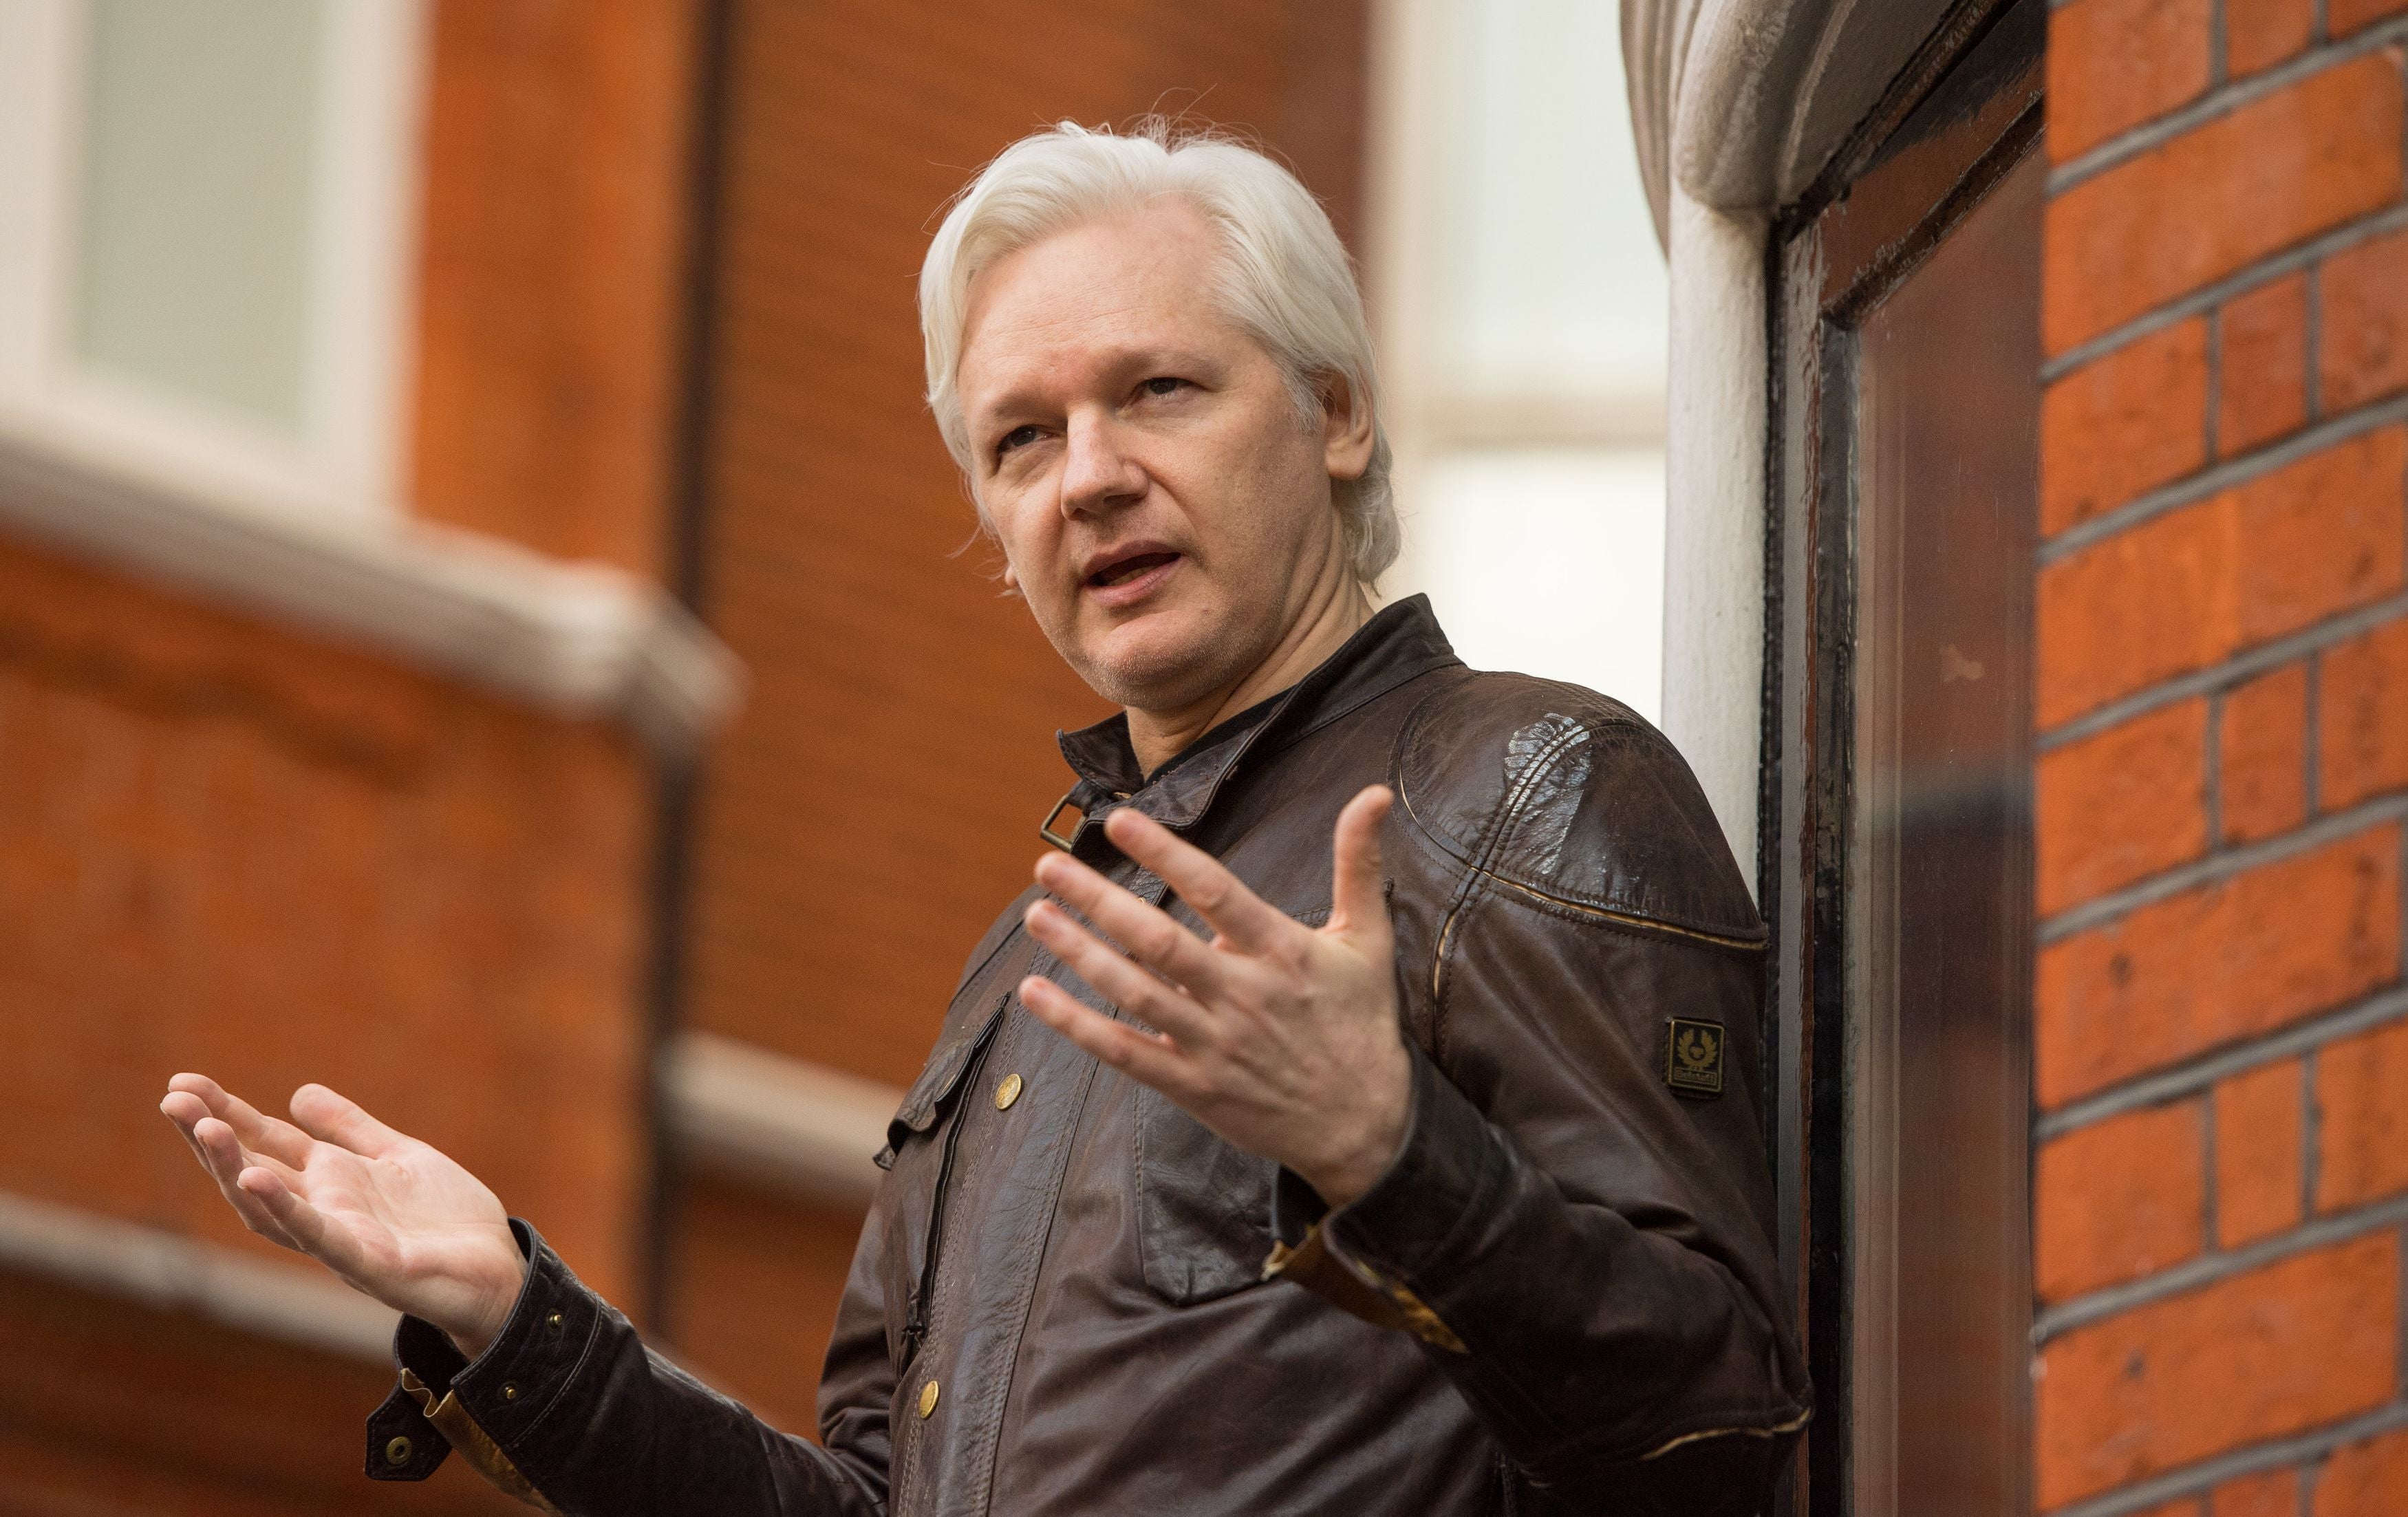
(1579, 1232)
(570, 1413)
(1577, 1247)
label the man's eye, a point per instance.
(1019, 436)
(1162, 384)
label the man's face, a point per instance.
(1161, 505)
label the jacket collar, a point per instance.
(1400, 643)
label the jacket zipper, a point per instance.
(915, 1323)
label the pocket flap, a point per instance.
(929, 1093)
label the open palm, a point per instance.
(393, 1217)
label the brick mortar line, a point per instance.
(2315, 639)
(2331, 828)
(2220, 477)
(2220, 100)
(2214, 1268)
(2205, 1070)
(2197, 1478)
(2275, 265)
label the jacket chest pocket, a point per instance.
(922, 1151)
(1204, 1208)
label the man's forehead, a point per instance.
(1084, 304)
(1160, 257)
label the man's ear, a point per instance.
(1346, 426)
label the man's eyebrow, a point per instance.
(1147, 358)
(1017, 401)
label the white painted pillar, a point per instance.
(1713, 532)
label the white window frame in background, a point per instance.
(1428, 407)
(345, 466)
(1435, 414)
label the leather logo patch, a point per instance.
(1692, 1056)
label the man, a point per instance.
(1360, 1113)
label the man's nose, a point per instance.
(1098, 473)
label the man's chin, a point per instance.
(1161, 662)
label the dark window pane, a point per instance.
(1947, 373)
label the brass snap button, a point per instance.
(927, 1398)
(552, 1323)
(398, 1450)
(510, 1390)
(1008, 1091)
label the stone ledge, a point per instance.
(762, 1118)
(296, 1303)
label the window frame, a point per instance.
(1947, 131)
(346, 464)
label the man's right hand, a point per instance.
(392, 1218)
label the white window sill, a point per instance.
(578, 640)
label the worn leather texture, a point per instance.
(1580, 1307)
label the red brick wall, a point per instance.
(232, 848)
(115, 1410)
(2222, 1029)
(551, 277)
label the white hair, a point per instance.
(1285, 278)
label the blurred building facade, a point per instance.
(485, 624)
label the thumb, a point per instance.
(1356, 899)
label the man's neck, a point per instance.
(1159, 737)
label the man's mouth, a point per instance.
(1128, 570)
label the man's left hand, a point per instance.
(1280, 1037)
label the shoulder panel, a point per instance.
(1573, 797)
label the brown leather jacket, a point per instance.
(1071, 1298)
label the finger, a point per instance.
(1146, 931)
(337, 1119)
(184, 1129)
(1237, 913)
(183, 1111)
(303, 1224)
(1356, 894)
(1145, 1057)
(257, 1130)
(227, 1154)
(1115, 977)
(224, 1158)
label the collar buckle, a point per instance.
(1050, 829)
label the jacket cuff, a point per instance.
(1451, 1172)
(489, 1408)
(1375, 1255)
